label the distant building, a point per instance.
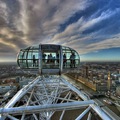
(118, 90)
(101, 86)
(109, 81)
(85, 71)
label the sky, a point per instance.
(91, 27)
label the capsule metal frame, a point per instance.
(48, 59)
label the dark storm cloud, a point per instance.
(3, 49)
(2, 22)
(27, 22)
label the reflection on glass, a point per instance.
(53, 56)
(70, 58)
(50, 60)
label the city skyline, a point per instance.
(88, 26)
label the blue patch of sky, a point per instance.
(96, 8)
(102, 7)
(115, 23)
(96, 27)
(13, 5)
(95, 39)
(111, 54)
(110, 27)
(82, 13)
(71, 20)
(112, 24)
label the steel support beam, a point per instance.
(11, 117)
(95, 107)
(81, 94)
(83, 114)
(101, 113)
(89, 116)
(22, 92)
(56, 107)
(47, 93)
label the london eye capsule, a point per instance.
(48, 59)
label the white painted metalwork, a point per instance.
(83, 114)
(48, 107)
(89, 116)
(44, 96)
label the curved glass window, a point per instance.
(22, 59)
(47, 56)
(29, 57)
(70, 58)
(50, 56)
(33, 58)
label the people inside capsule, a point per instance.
(63, 57)
(53, 59)
(57, 57)
(34, 61)
(64, 60)
(72, 60)
(50, 58)
(44, 57)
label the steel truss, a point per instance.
(44, 96)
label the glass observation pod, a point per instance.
(48, 59)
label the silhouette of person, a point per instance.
(53, 59)
(34, 61)
(50, 57)
(57, 57)
(72, 60)
(64, 60)
(44, 56)
(48, 60)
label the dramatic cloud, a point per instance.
(85, 25)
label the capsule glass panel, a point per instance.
(47, 58)
(50, 56)
(70, 58)
(33, 57)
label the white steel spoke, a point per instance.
(89, 116)
(83, 114)
(40, 99)
(63, 112)
(11, 117)
(27, 103)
